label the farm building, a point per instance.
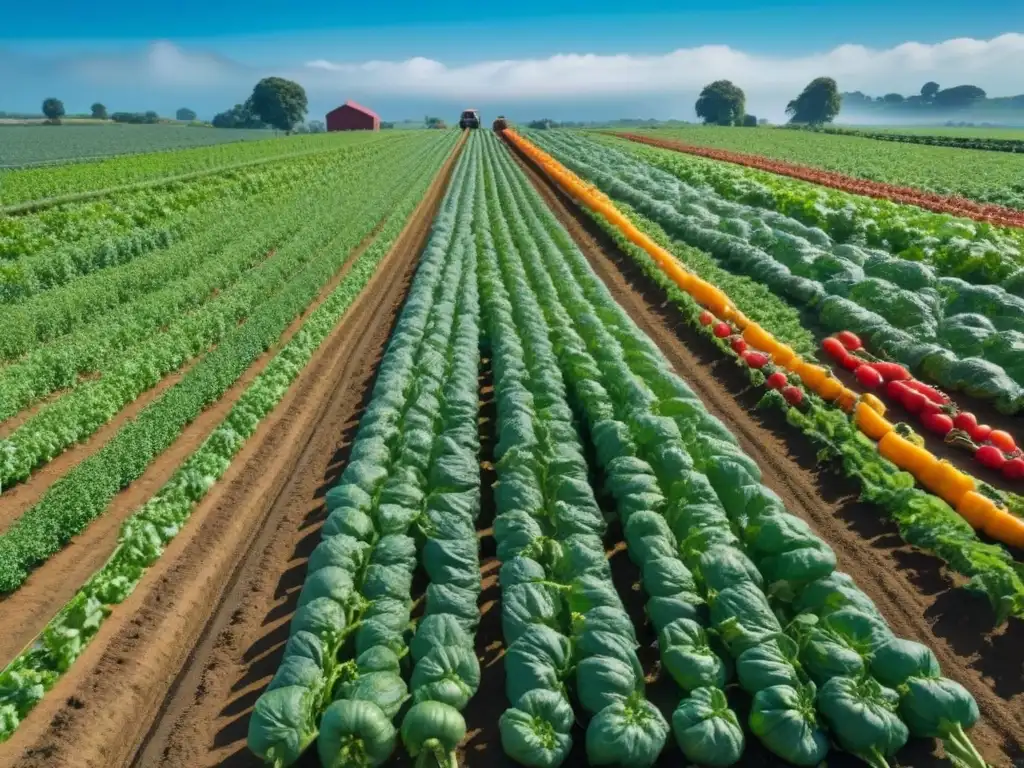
(352, 117)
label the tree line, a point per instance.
(54, 112)
(724, 103)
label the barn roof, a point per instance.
(358, 107)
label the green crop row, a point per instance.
(160, 332)
(990, 177)
(82, 494)
(30, 184)
(820, 662)
(410, 494)
(964, 337)
(145, 535)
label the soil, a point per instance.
(172, 677)
(172, 673)
(56, 581)
(919, 598)
(956, 206)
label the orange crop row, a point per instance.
(940, 477)
(956, 206)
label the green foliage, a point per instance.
(721, 103)
(283, 722)
(929, 89)
(185, 115)
(818, 103)
(278, 102)
(991, 177)
(98, 111)
(958, 97)
(239, 116)
(53, 109)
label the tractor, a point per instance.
(500, 124)
(470, 119)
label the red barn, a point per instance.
(352, 117)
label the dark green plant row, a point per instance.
(83, 493)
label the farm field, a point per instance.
(987, 177)
(24, 145)
(446, 448)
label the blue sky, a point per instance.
(589, 59)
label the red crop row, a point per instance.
(956, 206)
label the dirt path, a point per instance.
(173, 671)
(56, 581)
(913, 591)
(956, 206)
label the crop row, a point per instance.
(27, 146)
(409, 495)
(74, 500)
(965, 337)
(78, 414)
(106, 229)
(973, 251)
(924, 520)
(990, 144)
(160, 332)
(865, 164)
(811, 648)
(31, 184)
(116, 231)
(146, 534)
(114, 282)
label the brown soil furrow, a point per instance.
(171, 675)
(955, 206)
(913, 591)
(56, 581)
(18, 498)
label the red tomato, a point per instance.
(706, 318)
(793, 395)
(891, 371)
(722, 330)
(914, 401)
(981, 433)
(1003, 441)
(897, 390)
(755, 359)
(776, 381)
(868, 377)
(834, 348)
(939, 423)
(739, 346)
(849, 340)
(990, 456)
(966, 421)
(1014, 469)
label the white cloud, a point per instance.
(996, 65)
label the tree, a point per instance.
(185, 114)
(432, 122)
(238, 116)
(818, 103)
(750, 121)
(958, 97)
(99, 112)
(151, 116)
(893, 98)
(721, 103)
(278, 102)
(317, 126)
(929, 89)
(53, 109)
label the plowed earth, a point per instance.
(228, 581)
(957, 206)
(173, 675)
